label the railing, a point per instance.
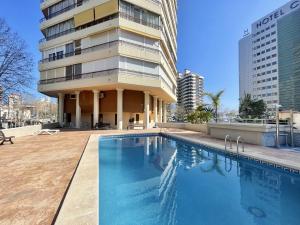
(251, 121)
(57, 35)
(68, 8)
(105, 19)
(119, 15)
(238, 144)
(94, 75)
(230, 142)
(158, 2)
(99, 47)
(139, 20)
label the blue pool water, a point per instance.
(160, 181)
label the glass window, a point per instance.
(139, 15)
(61, 7)
(59, 29)
(77, 69)
(69, 49)
(52, 57)
(59, 55)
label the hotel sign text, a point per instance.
(277, 14)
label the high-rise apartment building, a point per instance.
(190, 90)
(109, 61)
(269, 62)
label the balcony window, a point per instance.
(59, 29)
(59, 55)
(52, 57)
(73, 72)
(61, 7)
(139, 15)
(69, 49)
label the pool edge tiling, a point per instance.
(81, 203)
(248, 154)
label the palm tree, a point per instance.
(216, 102)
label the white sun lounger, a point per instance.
(47, 132)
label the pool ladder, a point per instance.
(228, 137)
(238, 141)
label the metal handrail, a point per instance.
(96, 74)
(230, 142)
(238, 143)
(100, 47)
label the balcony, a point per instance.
(106, 45)
(66, 9)
(94, 75)
(72, 30)
(111, 17)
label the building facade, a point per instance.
(289, 60)
(260, 55)
(109, 61)
(190, 90)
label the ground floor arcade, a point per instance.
(117, 109)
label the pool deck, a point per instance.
(285, 157)
(36, 171)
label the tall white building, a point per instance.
(109, 61)
(259, 57)
(190, 90)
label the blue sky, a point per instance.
(208, 35)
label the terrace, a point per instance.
(37, 172)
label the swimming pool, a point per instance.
(155, 180)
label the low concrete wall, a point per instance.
(186, 126)
(258, 134)
(22, 131)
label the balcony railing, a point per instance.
(57, 35)
(111, 17)
(105, 19)
(68, 8)
(106, 45)
(139, 20)
(104, 73)
(94, 75)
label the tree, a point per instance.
(216, 102)
(16, 63)
(180, 114)
(200, 115)
(250, 108)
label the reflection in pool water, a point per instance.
(159, 181)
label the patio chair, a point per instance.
(47, 132)
(102, 126)
(3, 138)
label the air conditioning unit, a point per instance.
(101, 95)
(72, 96)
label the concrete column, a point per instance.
(155, 109)
(146, 110)
(120, 109)
(164, 112)
(61, 102)
(78, 110)
(96, 107)
(160, 110)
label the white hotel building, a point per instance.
(109, 61)
(259, 57)
(190, 90)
